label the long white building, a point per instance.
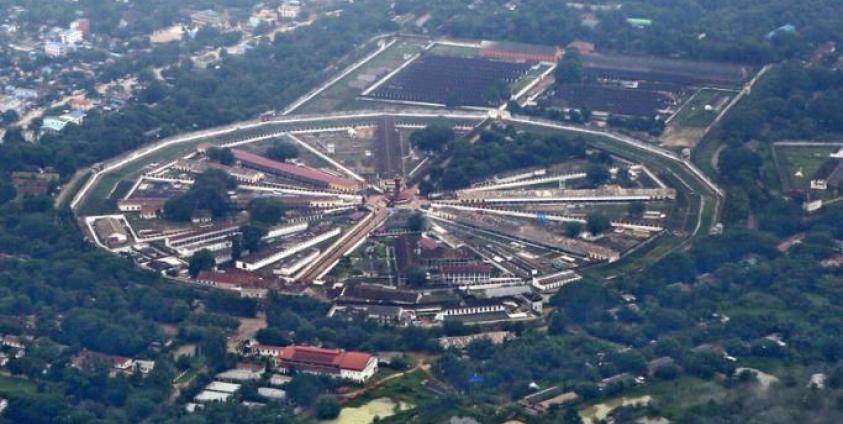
(256, 262)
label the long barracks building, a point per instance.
(303, 174)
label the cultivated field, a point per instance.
(448, 80)
(671, 71)
(614, 100)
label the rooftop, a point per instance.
(326, 357)
(293, 170)
(379, 294)
(231, 276)
(523, 48)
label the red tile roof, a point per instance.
(428, 243)
(233, 276)
(293, 170)
(582, 47)
(354, 360)
(326, 359)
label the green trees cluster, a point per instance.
(433, 138)
(266, 211)
(282, 151)
(504, 150)
(691, 28)
(209, 192)
(790, 102)
(223, 156)
(202, 260)
(569, 69)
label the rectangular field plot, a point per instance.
(343, 94)
(797, 165)
(614, 100)
(671, 71)
(452, 50)
(702, 108)
(452, 81)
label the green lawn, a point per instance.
(680, 394)
(457, 51)
(342, 96)
(804, 159)
(529, 78)
(694, 114)
(407, 388)
(13, 386)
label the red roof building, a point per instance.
(243, 282)
(584, 48)
(520, 52)
(299, 173)
(355, 366)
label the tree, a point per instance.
(569, 69)
(236, 246)
(7, 192)
(224, 156)
(266, 211)
(666, 372)
(416, 222)
(326, 407)
(583, 301)
(416, 277)
(304, 389)
(9, 117)
(180, 208)
(282, 151)
(202, 260)
(636, 209)
(497, 93)
(597, 223)
(209, 192)
(432, 138)
(573, 229)
(252, 237)
(597, 174)
(213, 348)
(14, 135)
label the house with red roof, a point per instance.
(354, 366)
(88, 359)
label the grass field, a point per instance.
(802, 160)
(11, 386)
(342, 95)
(458, 51)
(529, 78)
(680, 394)
(407, 388)
(694, 113)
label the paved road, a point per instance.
(67, 189)
(326, 261)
